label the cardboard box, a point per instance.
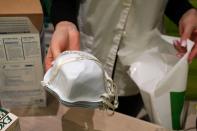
(8, 121)
(27, 8)
(57, 117)
(34, 98)
(97, 120)
(190, 123)
(21, 68)
(81, 119)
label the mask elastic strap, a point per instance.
(110, 99)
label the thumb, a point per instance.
(48, 59)
(55, 48)
(55, 52)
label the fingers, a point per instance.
(48, 59)
(59, 42)
(193, 53)
(74, 40)
(188, 24)
(65, 37)
(55, 50)
(186, 32)
(181, 48)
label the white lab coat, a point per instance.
(116, 31)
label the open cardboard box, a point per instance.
(97, 120)
(80, 119)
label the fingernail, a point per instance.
(184, 43)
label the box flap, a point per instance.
(13, 25)
(28, 8)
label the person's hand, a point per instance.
(65, 37)
(187, 30)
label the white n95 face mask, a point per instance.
(78, 79)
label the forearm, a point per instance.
(176, 8)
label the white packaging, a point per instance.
(162, 77)
(20, 57)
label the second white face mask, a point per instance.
(78, 79)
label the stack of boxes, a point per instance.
(21, 67)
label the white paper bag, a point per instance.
(161, 78)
